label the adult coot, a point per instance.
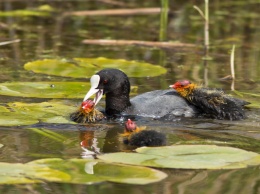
(215, 103)
(116, 86)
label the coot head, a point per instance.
(87, 106)
(184, 87)
(180, 84)
(130, 125)
(115, 85)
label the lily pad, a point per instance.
(15, 119)
(30, 113)
(24, 13)
(13, 173)
(45, 89)
(86, 67)
(187, 157)
(79, 171)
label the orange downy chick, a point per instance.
(131, 128)
(86, 113)
(212, 102)
(138, 136)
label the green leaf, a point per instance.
(24, 13)
(79, 171)
(45, 89)
(187, 157)
(86, 67)
(15, 119)
(20, 113)
(24, 173)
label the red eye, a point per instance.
(105, 81)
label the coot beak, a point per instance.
(94, 80)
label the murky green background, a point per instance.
(231, 22)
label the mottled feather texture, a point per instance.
(213, 102)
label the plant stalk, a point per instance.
(206, 42)
(164, 20)
(232, 67)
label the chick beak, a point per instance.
(172, 86)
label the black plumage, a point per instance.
(213, 103)
(139, 136)
(147, 138)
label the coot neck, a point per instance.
(118, 100)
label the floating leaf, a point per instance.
(79, 171)
(187, 157)
(45, 89)
(3, 109)
(20, 113)
(24, 173)
(1, 145)
(42, 110)
(15, 119)
(86, 67)
(24, 13)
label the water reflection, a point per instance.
(89, 167)
(89, 145)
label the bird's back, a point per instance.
(160, 103)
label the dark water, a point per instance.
(231, 22)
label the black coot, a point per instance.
(116, 86)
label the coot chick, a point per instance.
(138, 137)
(86, 113)
(116, 86)
(214, 103)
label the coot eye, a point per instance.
(105, 81)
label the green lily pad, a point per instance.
(30, 113)
(3, 109)
(79, 171)
(86, 67)
(45, 89)
(14, 173)
(14, 119)
(41, 11)
(24, 13)
(187, 157)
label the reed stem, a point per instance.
(205, 16)
(232, 67)
(164, 20)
